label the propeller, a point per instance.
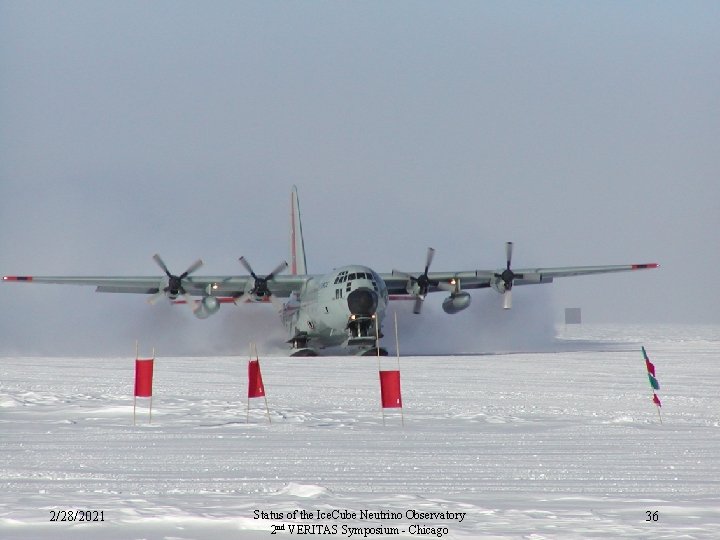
(260, 284)
(508, 277)
(174, 285)
(422, 281)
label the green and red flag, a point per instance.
(654, 384)
(648, 364)
(650, 371)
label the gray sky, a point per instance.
(585, 132)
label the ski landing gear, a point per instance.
(299, 344)
(362, 331)
(365, 335)
(373, 351)
(304, 352)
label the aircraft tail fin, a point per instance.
(298, 265)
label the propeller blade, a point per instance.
(429, 258)
(190, 302)
(508, 253)
(241, 299)
(247, 266)
(422, 282)
(174, 284)
(194, 266)
(404, 274)
(155, 297)
(279, 268)
(161, 264)
(260, 284)
(507, 299)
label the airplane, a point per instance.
(344, 308)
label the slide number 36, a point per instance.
(652, 516)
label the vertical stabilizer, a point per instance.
(297, 244)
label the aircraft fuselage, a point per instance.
(339, 308)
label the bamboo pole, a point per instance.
(134, 396)
(267, 409)
(652, 388)
(397, 352)
(151, 397)
(247, 417)
(377, 351)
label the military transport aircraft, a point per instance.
(343, 308)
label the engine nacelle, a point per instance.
(498, 285)
(456, 302)
(412, 288)
(206, 307)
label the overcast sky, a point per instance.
(586, 132)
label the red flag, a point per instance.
(143, 377)
(650, 367)
(255, 382)
(390, 389)
(656, 400)
(648, 364)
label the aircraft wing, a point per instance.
(479, 279)
(227, 286)
(543, 275)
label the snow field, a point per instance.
(563, 444)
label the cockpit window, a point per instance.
(351, 277)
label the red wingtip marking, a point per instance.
(645, 266)
(17, 278)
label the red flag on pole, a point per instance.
(656, 400)
(648, 364)
(255, 382)
(143, 377)
(650, 367)
(390, 389)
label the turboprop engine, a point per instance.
(456, 302)
(209, 305)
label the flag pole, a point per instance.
(397, 351)
(134, 393)
(652, 380)
(150, 420)
(377, 350)
(247, 418)
(267, 409)
(377, 339)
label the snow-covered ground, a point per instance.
(553, 444)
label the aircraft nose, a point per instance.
(362, 302)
